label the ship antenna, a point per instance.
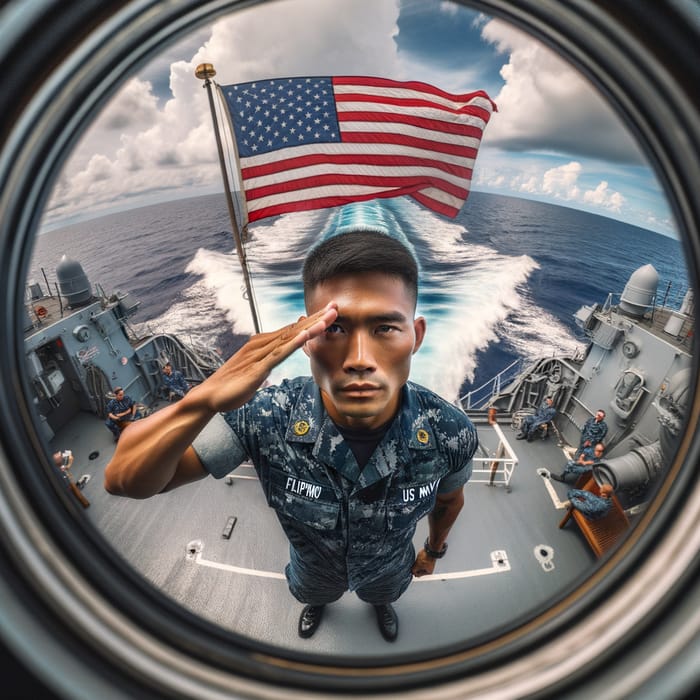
(205, 71)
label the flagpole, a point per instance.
(205, 71)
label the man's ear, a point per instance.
(419, 326)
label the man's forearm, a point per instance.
(154, 454)
(443, 517)
(149, 452)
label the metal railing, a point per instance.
(477, 399)
(498, 469)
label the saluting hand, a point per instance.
(236, 381)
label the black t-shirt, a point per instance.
(363, 441)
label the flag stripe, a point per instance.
(406, 104)
(365, 143)
(421, 178)
(392, 118)
(331, 163)
(384, 86)
(310, 142)
(338, 195)
(409, 136)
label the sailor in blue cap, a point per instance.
(350, 458)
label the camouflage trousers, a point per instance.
(320, 584)
(575, 469)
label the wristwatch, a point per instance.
(431, 552)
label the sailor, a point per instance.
(594, 430)
(350, 459)
(175, 382)
(592, 506)
(531, 423)
(120, 411)
(582, 465)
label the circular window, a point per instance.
(106, 625)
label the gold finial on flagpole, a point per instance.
(204, 71)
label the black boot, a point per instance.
(309, 620)
(388, 621)
(557, 477)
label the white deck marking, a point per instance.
(235, 569)
(548, 485)
(499, 565)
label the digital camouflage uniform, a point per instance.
(543, 415)
(115, 407)
(595, 432)
(348, 529)
(176, 383)
(592, 506)
(573, 467)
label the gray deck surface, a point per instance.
(153, 536)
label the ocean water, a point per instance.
(499, 282)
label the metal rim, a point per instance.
(147, 643)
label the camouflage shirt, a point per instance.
(595, 432)
(592, 506)
(360, 522)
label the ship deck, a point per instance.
(507, 557)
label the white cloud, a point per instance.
(449, 8)
(137, 145)
(547, 105)
(562, 183)
(604, 197)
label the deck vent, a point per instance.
(605, 336)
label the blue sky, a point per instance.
(553, 139)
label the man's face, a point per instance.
(119, 395)
(599, 416)
(168, 369)
(363, 359)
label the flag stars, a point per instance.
(267, 107)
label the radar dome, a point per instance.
(639, 291)
(73, 282)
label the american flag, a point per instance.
(311, 143)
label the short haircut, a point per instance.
(117, 389)
(355, 252)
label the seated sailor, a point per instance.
(583, 464)
(594, 430)
(121, 410)
(175, 382)
(542, 416)
(592, 506)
